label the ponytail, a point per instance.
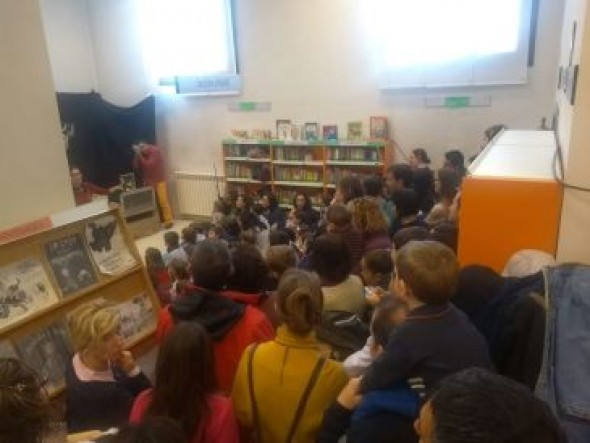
(300, 301)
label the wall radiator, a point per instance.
(196, 193)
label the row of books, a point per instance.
(237, 170)
(294, 153)
(298, 174)
(334, 175)
(246, 151)
(354, 154)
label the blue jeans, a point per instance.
(563, 381)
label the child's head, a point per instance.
(330, 258)
(426, 273)
(388, 314)
(338, 218)
(373, 186)
(250, 272)
(376, 268)
(215, 232)
(406, 235)
(279, 237)
(279, 258)
(172, 240)
(211, 265)
(188, 235)
(154, 259)
(178, 269)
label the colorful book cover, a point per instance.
(330, 132)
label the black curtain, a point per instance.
(101, 134)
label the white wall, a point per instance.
(574, 236)
(69, 44)
(34, 178)
(313, 61)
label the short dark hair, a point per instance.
(455, 158)
(279, 237)
(350, 187)
(383, 323)
(429, 269)
(211, 264)
(330, 258)
(447, 233)
(403, 172)
(188, 235)
(406, 235)
(149, 430)
(465, 402)
(421, 155)
(406, 202)
(379, 261)
(448, 183)
(172, 238)
(373, 186)
(250, 272)
(339, 215)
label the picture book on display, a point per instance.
(379, 128)
(330, 132)
(355, 131)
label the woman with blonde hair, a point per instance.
(102, 380)
(290, 368)
(368, 218)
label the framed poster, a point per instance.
(24, 289)
(137, 318)
(107, 246)
(70, 264)
(48, 351)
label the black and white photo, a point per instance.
(70, 264)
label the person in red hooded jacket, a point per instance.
(149, 159)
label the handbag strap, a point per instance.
(254, 405)
(305, 397)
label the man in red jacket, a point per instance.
(149, 159)
(232, 326)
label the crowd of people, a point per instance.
(354, 319)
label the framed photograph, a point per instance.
(297, 132)
(48, 351)
(312, 131)
(24, 289)
(137, 318)
(330, 132)
(107, 246)
(379, 128)
(355, 131)
(283, 129)
(70, 264)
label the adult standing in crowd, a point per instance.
(423, 179)
(149, 159)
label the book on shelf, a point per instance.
(345, 153)
(312, 131)
(379, 128)
(247, 151)
(284, 129)
(300, 174)
(355, 131)
(330, 132)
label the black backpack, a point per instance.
(344, 332)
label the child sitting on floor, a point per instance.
(376, 268)
(435, 340)
(388, 314)
(180, 277)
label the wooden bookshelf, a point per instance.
(287, 167)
